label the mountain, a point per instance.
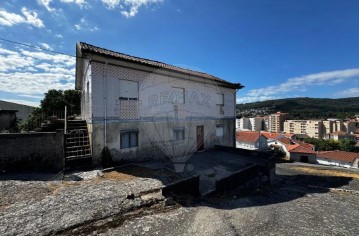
(303, 108)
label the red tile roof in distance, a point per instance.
(286, 141)
(302, 149)
(248, 136)
(85, 47)
(271, 135)
(339, 156)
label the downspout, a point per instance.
(235, 118)
(105, 101)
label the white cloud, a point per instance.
(29, 17)
(129, 8)
(46, 4)
(81, 3)
(31, 96)
(83, 25)
(301, 84)
(46, 46)
(59, 36)
(111, 3)
(249, 99)
(32, 73)
(352, 92)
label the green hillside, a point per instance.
(304, 108)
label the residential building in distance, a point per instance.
(339, 158)
(251, 140)
(312, 128)
(332, 126)
(340, 135)
(276, 121)
(350, 126)
(23, 111)
(253, 124)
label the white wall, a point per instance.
(155, 91)
(324, 161)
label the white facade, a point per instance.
(138, 112)
(260, 144)
(331, 162)
(253, 124)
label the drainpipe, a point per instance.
(235, 117)
(105, 101)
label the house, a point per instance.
(138, 108)
(339, 158)
(340, 135)
(301, 153)
(251, 140)
(23, 111)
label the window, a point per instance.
(129, 139)
(88, 91)
(220, 99)
(179, 134)
(178, 95)
(219, 130)
(128, 90)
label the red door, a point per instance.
(200, 138)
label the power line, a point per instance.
(36, 47)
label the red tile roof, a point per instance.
(248, 136)
(271, 135)
(301, 149)
(288, 135)
(339, 156)
(85, 47)
(286, 141)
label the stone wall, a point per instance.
(32, 151)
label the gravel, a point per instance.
(298, 204)
(288, 208)
(42, 208)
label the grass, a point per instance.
(320, 171)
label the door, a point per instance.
(304, 158)
(200, 138)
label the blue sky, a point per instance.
(277, 49)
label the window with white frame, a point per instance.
(128, 90)
(178, 95)
(129, 139)
(219, 130)
(220, 99)
(179, 134)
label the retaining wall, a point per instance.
(32, 151)
(187, 186)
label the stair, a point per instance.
(77, 145)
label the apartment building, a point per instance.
(312, 128)
(253, 124)
(276, 121)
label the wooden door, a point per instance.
(200, 138)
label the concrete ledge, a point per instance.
(188, 186)
(237, 179)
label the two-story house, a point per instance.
(138, 108)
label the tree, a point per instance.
(54, 103)
(347, 145)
